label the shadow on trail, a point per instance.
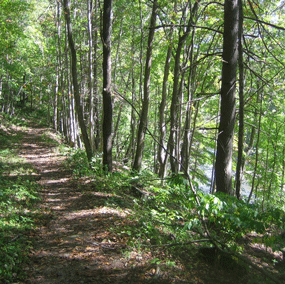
(78, 236)
(73, 242)
(76, 245)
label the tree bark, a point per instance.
(97, 124)
(174, 136)
(131, 148)
(90, 74)
(144, 113)
(188, 134)
(161, 154)
(239, 169)
(107, 101)
(78, 105)
(223, 168)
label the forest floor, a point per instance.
(74, 240)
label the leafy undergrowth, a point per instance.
(243, 243)
(18, 197)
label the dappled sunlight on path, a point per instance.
(73, 242)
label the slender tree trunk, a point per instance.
(188, 135)
(131, 148)
(174, 137)
(272, 167)
(78, 105)
(227, 120)
(249, 147)
(213, 176)
(174, 110)
(117, 124)
(55, 101)
(90, 75)
(97, 123)
(265, 176)
(196, 107)
(144, 113)
(283, 175)
(239, 169)
(72, 134)
(117, 51)
(257, 150)
(161, 155)
(141, 54)
(107, 101)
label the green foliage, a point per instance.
(18, 194)
(12, 257)
(16, 198)
(171, 214)
(78, 162)
(235, 218)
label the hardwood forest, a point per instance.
(142, 141)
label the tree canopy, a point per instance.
(181, 126)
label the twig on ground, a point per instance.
(178, 244)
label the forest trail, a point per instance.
(73, 242)
(79, 235)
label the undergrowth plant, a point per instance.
(169, 213)
(18, 195)
(16, 200)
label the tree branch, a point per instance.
(265, 23)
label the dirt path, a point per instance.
(73, 243)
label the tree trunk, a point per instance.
(282, 176)
(174, 110)
(144, 113)
(78, 105)
(239, 169)
(227, 120)
(131, 148)
(58, 83)
(161, 155)
(188, 135)
(174, 137)
(72, 133)
(97, 123)
(107, 101)
(90, 74)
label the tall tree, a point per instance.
(107, 101)
(97, 128)
(144, 112)
(223, 169)
(241, 104)
(78, 105)
(174, 136)
(90, 74)
(58, 65)
(161, 154)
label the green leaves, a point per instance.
(15, 198)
